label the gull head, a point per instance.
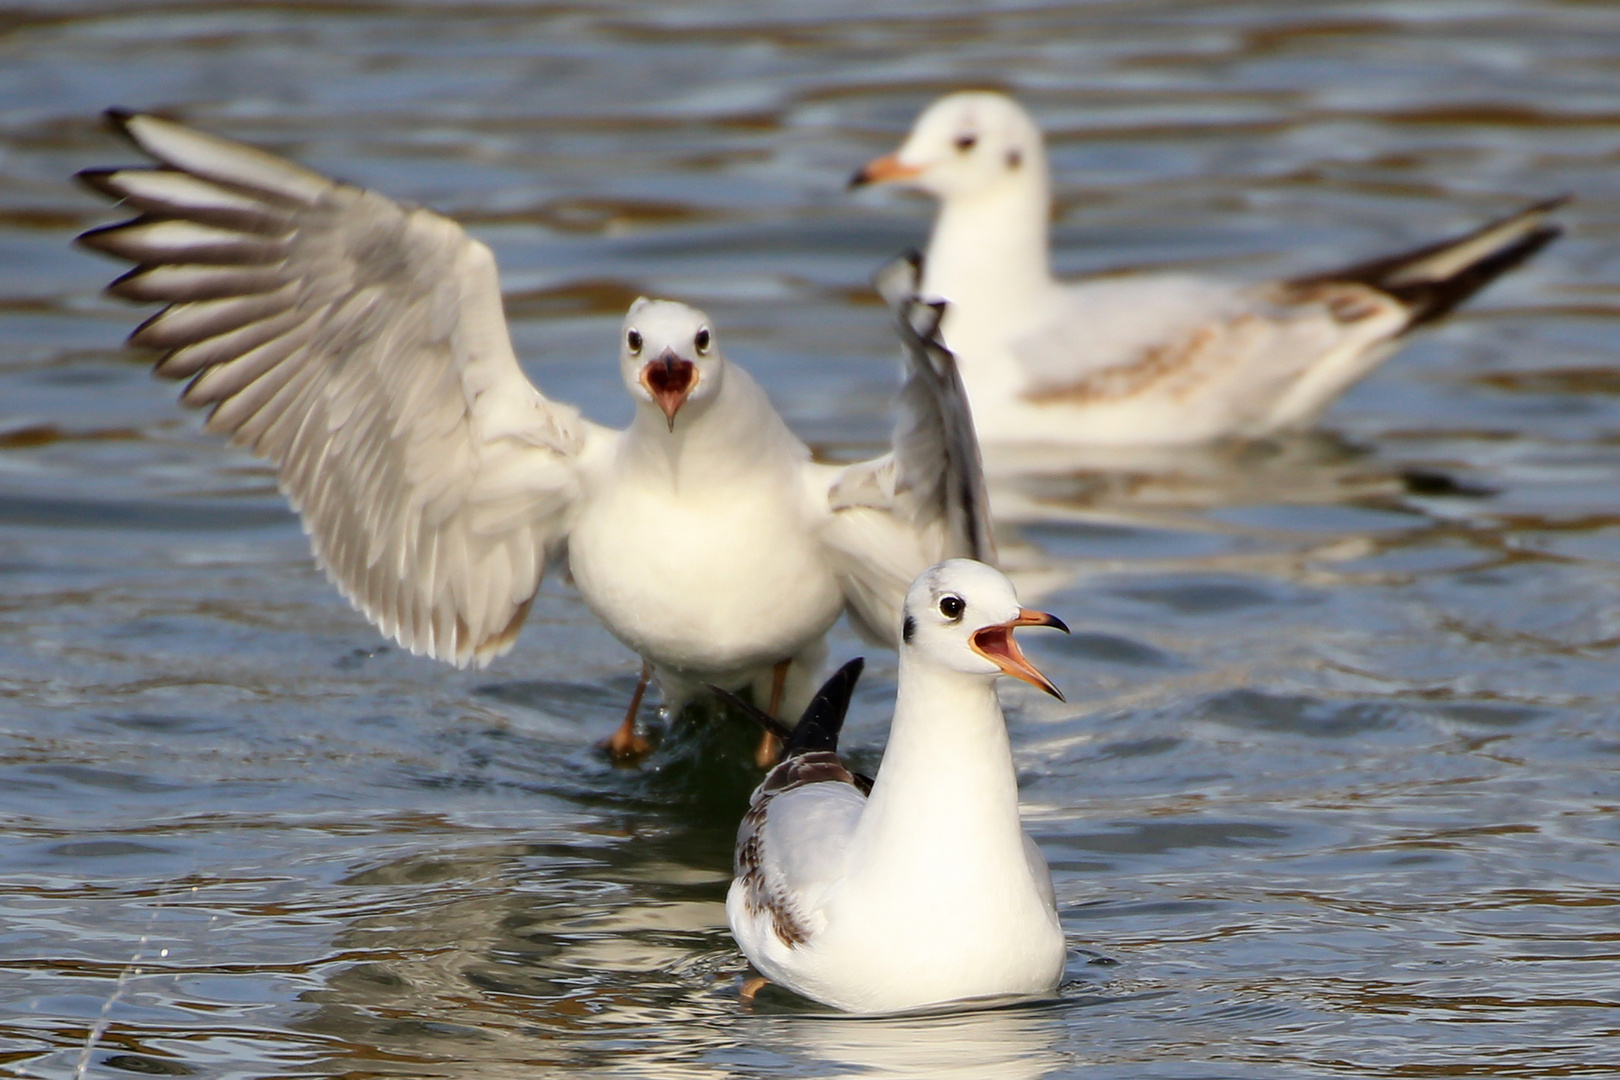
(961, 615)
(963, 144)
(668, 356)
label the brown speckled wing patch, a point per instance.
(759, 893)
(1176, 366)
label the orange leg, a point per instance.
(626, 746)
(769, 749)
(750, 987)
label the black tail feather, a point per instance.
(818, 728)
(1432, 298)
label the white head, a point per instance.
(961, 614)
(964, 144)
(668, 356)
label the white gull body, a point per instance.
(928, 890)
(1149, 359)
(361, 346)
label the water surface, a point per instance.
(1336, 791)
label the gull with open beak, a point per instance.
(1150, 359)
(361, 347)
(920, 887)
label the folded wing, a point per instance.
(924, 501)
(1171, 360)
(792, 842)
(361, 347)
(1214, 358)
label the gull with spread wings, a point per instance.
(361, 347)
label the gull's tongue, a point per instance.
(670, 381)
(996, 644)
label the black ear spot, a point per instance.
(908, 628)
(1015, 158)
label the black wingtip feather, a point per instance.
(267, 220)
(123, 283)
(99, 181)
(1443, 297)
(118, 120)
(1428, 301)
(103, 238)
(1552, 203)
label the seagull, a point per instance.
(1150, 359)
(360, 346)
(920, 887)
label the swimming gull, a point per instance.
(1150, 359)
(919, 887)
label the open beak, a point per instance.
(669, 380)
(996, 644)
(883, 170)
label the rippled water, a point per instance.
(1338, 790)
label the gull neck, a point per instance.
(992, 244)
(722, 440)
(946, 793)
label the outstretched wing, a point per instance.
(361, 347)
(938, 473)
(924, 501)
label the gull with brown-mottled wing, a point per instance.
(919, 887)
(1150, 359)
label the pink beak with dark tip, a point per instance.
(996, 644)
(669, 379)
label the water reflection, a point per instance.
(1019, 1043)
(536, 953)
(1309, 508)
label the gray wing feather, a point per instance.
(924, 501)
(361, 347)
(939, 472)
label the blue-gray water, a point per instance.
(1338, 789)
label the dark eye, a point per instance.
(702, 341)
(951, 607)
(964, 143)
(633, 339)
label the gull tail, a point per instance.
(1432, 280)
(818, 728)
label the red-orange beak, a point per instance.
(883, 170)
(996, 644)
(669, 380)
